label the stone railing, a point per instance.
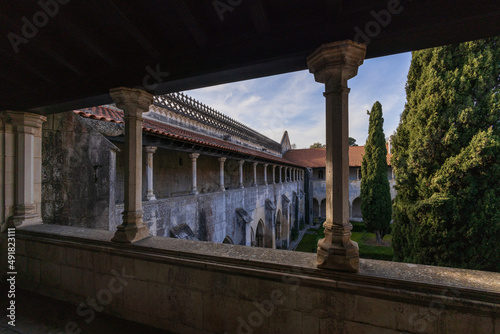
(187, 106)
(198, 287)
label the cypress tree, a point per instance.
(376, 206)
(446, 158)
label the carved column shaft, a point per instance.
(255, 184)
(333, 64)
(133, 102)
(274, 174)
(241, 163)
(150, 150)
(194, 157)
(265, 174)
(221, 182)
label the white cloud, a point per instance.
(295, 102)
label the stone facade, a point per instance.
(319, 191)
(84, 174)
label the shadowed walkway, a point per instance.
(36, 314)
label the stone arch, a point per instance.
(356, 208)
(252, 237)
(315, 208)
(259, 236)
(323, 208)
(228, 240)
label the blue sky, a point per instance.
(295, 102)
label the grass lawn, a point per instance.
(365, 240)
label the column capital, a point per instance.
(338, 59)
(222, 159)
(134, 102)
(241, 162)
(194, 156)
(26, 122)
(266, 165)
(255, 163)
(150, 149)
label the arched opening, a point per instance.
(323, 208)
(227, 240)
(315, 208)
(260, 234)
(356, 208)
(252, 237)
(278, 225)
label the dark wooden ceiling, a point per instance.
(90, 46)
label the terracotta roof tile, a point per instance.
(316, 157)
(112, 115)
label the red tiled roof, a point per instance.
(316, 157)
(167, 130)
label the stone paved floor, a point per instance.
(37, 314)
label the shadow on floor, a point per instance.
(36, 314)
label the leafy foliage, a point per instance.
(317, 145)
(352, 142)
(446, 158)
(376, 206)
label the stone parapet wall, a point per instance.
(199, 287)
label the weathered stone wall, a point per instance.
(194, 287)
(77, 173)
(213, 216)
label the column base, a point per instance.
(151, 197)
(255, 184)
(133, 228)
(26, 220)
(337, 251)
(241, 186)
(222, 189)
(25, 215)
(194, 192)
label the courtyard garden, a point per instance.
(368, 247)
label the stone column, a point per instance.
(274, 174)
(241, 162)
(194, 156)
(333, 64)
(281, 168)
(28, 167)
(150, 150)
(133, 102)
(286, 174)
(221, 182)
(265, 174)
(255, 184)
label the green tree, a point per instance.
(446, 158)
(352, 142)
(376, 206)
(317, 145)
